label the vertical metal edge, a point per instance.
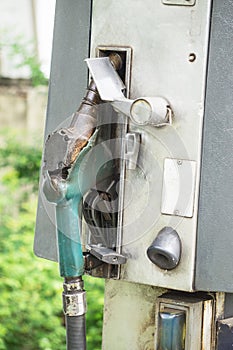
(208, 325)
(68, 80)
(194, 339)
(90, 26)
(213, 266)
(218, 308)
(124, 124)
(199, 171)
(220, 305)
(39, 204)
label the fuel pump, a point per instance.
(135, 188)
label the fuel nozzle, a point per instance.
(65, 149)
(64, 145)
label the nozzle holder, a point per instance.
(165, 251)
(150, 110)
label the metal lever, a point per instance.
(154, 111)
(107, 255)
(108, 82)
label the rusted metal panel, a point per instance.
(129, 316)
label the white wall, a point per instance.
(45, 10)
(17, 19)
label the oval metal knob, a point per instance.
(165, 251)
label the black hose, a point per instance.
(76, 332)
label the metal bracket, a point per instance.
(107, 255)
(91, 262)
(179, 2)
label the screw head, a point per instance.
(192, 56)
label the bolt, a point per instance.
(192, 56)
(116, 60)
(179, 162)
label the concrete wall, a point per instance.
(23, 107)
(16, 20)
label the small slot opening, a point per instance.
(125, 54)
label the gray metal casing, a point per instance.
(162, 38)
(68, 82)
(206, 263)
(214, 259)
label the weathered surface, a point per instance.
(129, 316)
(23, 106)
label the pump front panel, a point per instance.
(168, 45)
(142, 208)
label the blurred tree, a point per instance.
(25, 55)
(30, 304)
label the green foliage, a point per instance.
(30, 304)
(23, 161)
(25, 54)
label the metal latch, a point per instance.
(107, 255)
(132, 146)
(155, 111)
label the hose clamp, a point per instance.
(74, 304)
